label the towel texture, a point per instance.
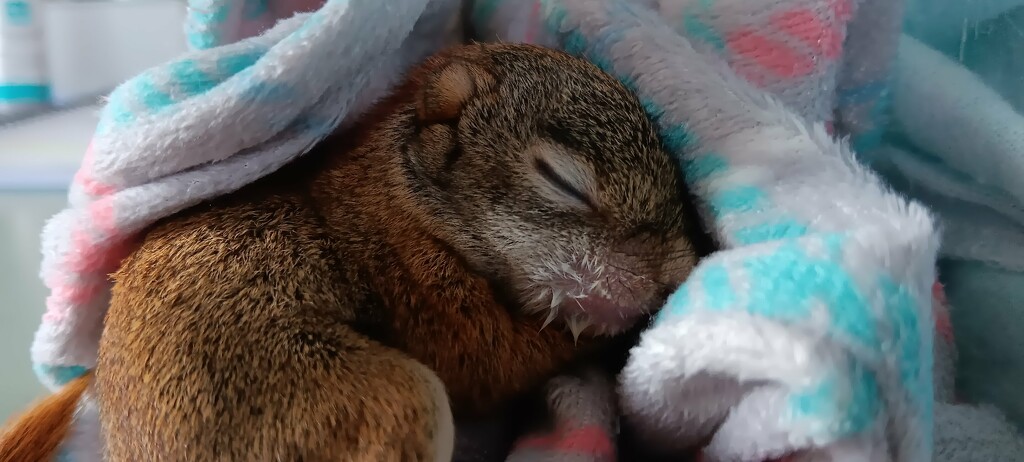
(815, 327)
(857, 91)
(809, 336)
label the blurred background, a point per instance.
(57, 58)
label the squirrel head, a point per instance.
(546, 175)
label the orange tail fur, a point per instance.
(35, 435)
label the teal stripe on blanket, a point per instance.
(191, 80)
(149, 97)
(202, 39)
(916, 356)
(738, 199)
(143, 91)
(58, 374)
(782, 228)
(715, 281)
(203, 23)
(789, 295)
(230, 65)
(788, 283)
(211, 15)
(700, 30)
(705, 167)
(187, 78)
(785, 285)
(853, 412)
(153, 98)
(117, 110)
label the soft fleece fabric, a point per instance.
(810, 334)
(805, 53)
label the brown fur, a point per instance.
(35, 435)
(339, 308)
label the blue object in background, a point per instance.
(987, 300)
(18, 12)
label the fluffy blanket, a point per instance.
(809, 336)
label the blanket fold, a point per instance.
(819, 313)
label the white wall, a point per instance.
(21, 293)
(93, 46)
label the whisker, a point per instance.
(661, 256)
(629, 271)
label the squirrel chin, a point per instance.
(592, 302)
(596, 315)
(590, 314)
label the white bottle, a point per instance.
(24, 84)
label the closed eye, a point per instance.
(568, 183)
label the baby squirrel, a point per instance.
(347, 306)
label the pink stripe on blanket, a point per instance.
(84, 176)
(89, 254)
(86, 243)
(824, 38)
(101, 213)
(940, 307)
(773, 55)
(534, 23)
(65, 296)
(842, 10)
(89, 245)
(591, 440)
(70, 296)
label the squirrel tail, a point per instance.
(35, 435)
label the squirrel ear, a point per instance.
(446, 92)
